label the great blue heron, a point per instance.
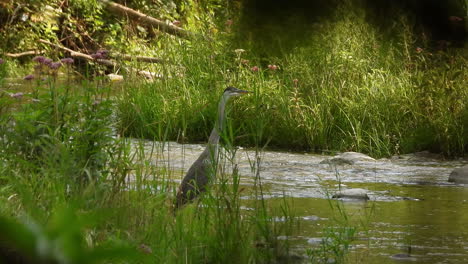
(200, 172)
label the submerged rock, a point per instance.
(357, 194)
(421, 156)
(312, 218)
(459, 175)
(348, 158)
(428, 155)
(315, 240)
(404, 256)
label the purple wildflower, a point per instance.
(273, 67)
(39, 59)
(29, 77)
(103, 52)
(67, 61)
(55, 65)
(100, 54)
(97, 55)
(254, 69)
(47, 61)
(1, 61)
(17, 95)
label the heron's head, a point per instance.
(233, 91)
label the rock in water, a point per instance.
(349, 158)
(459, 175)
(356, 194)
(404, 256)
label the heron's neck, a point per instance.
(218, 128)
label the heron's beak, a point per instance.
(241, 92)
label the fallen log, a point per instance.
(136, 58)
(25, 53)
(105, 61)
(147, 20)
(79, 54)
(146, 74)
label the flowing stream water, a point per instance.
(411, 203)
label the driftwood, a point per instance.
(148, 75)
(136, 58)
(147, 20)
(21, 54)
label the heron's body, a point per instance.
(204, 168)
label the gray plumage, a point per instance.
(204, 168)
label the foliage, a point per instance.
(55, 124)
(62, 241)
(3, 71)
(84, 26)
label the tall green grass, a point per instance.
(81, 193)
(349, 86)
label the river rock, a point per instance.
(459, 175)
(404, 256)
(357, 194)
(421, 156)
(348, 158)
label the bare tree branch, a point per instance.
(25, 53)
(148, 20)
(137, 58)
